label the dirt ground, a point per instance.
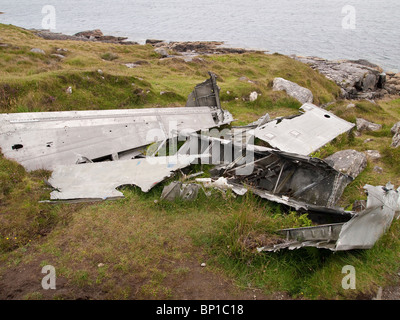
(198, 283)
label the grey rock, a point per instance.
(246, 79)
(350, 105)
(48, 35)
(350, 162)
(131, 65)
(253, 96)
(303, 95)
(373, 155)
(396, 141)
(355, 77)
(59, 56)
(37, 50)
(90, 33)
(369, 82)
(343, 94)
(396, 128)
(154, 41)
(162, 51)
(364, 125)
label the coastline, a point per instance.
(358, 79)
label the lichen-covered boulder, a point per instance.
(350, 162)
(303, 95)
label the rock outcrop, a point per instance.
(37, 50)
(303, 95)
(373, 155)
(350, 162)
(89, 35)
(196, 47)
(392, 82)
(162, 51)
(364, 125)
(359, 79)
(396, 135)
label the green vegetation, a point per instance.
(141, 248)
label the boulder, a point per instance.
(130, 65)
(111, 38)
(253, 96)
(369, 82)
(373, 155)
(153, 41)
(90, 33)
(59, 56)
(303, 95)
(350, 162)
(395, 130)
(162, 51)
(364, 125)
(37, 50)
(396, 141)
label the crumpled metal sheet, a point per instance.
(305, 133)
(100, 180)
(305, 183)
(360, 232)
(301, 182)
(46, 139)
(43, 140)
(205, 94)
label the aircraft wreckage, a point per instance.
(92, 153)
(44, 140)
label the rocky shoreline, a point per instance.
(358, 79)
(90, 35)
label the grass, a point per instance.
(138, 247)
